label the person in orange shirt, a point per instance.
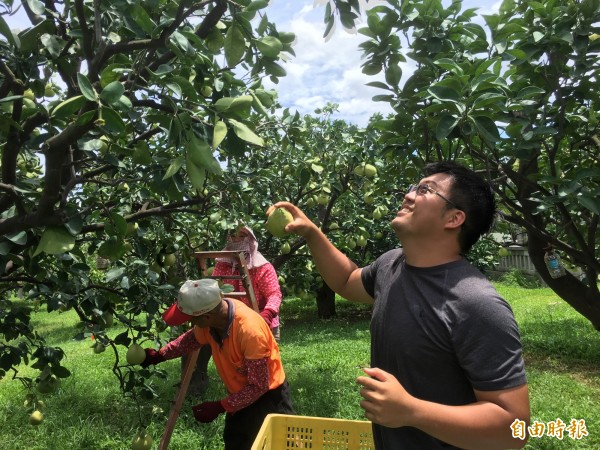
(246, 357)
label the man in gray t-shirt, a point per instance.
(447, 369)
(458, 336)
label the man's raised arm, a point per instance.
(338, 271)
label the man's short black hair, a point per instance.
(473, 195)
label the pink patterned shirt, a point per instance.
(264, 281)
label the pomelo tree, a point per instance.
(115, 119)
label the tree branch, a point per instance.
(86, 34)
(209, 22)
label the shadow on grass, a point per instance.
(565, 346)
(57, 327)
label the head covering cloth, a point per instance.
(248, 245)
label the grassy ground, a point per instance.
(562, 354)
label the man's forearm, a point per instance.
(481, 425)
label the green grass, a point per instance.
(321, 359)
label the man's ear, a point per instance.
(456, 219)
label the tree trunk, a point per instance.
(584, 299)
(199, 382)
(325, 302)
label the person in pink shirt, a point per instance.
(262, 276)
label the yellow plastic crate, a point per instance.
(281, 431)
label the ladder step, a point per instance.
(227, 277)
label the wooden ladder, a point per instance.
(190, 364)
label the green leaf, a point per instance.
(142, 18)
(75, 225)
(537, 36)
(266, 97)
(215, 40)
(316, 168)
(269, 46)
(371, 69)
(175, 88)
(86, 88)
(19, 238)
(530, 92)
(86, 117)
(239, 104)
(36, 6)
(5, 31)
(174, 167)
(200, 153)
(54, 241)
(275, 69)
(113, 248)
(112, 72)
(379, 84)
(5, 248)
(112, 93)
(245, 133)
(587, 172)
(590, 203)
(180, 41)
(444, 93)
(197, 174)
(113, 122)
(68, 107)
(393, 75)
(163, 69)
(119, 224)
(489, 98)
(219, 134)
(123, 103)
(256, 5)
(450, 65)
(115, 274)
(487, 128)
(61, 371)
(223, 104)
(235, 45)
(445, 126)
(29, 39)
(187, 89)
(141, 154)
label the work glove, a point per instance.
(268, 315)
(152, 357)
(208, 411)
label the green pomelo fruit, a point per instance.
(277, 221)
(141, 441)
(135, 354)
(36, 418)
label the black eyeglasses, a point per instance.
(422, 189)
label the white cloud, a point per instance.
(330, 72)
(325, 72)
